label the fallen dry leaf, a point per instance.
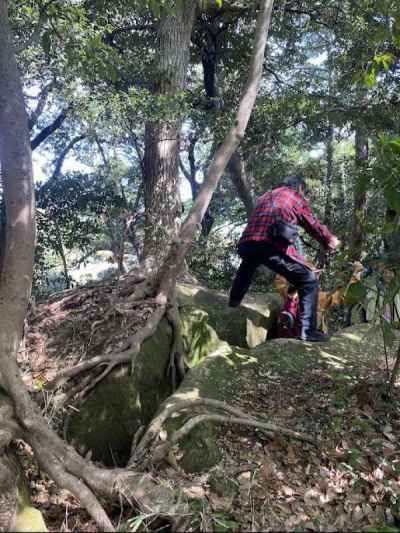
(311, 496)
(219, 503)
(267, 471)
(195, 492)
(163, 435)
(287, 491)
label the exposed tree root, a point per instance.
(161, 451)
(78, 391)
(148, 452)
(83, 479)
(176, 367)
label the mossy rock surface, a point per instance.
(252, 321)
(220, 375)
(216, 377)
(199, 337)
(122, 403)
(110, 417)
(16, 510)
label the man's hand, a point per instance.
(334, 243)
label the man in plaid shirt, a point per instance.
(269, 240)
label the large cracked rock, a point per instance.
(246, 326)
(220, 375)
(110, 417)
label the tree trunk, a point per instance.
(174, 261)
(162, 138)
(392, 240)
(190, 175)
(360, 193)
(17, 249)
(242, 181)
(329, 177)
(18, 192)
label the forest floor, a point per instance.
(349, 481)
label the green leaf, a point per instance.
(394, 145)
(355, 293)
(392, 196)
(370, 77)
(363, 180)
(386, 60)
(223, 523)
(135, 523)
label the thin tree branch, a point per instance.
(192, 224)
(63, 155)
(40, 105)
(48, 130)
(33, 40)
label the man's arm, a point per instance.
(313, 226)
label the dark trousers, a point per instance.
(254, 254)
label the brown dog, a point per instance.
(326, 299)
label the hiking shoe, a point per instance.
(314, 336)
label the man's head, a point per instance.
(295, 182)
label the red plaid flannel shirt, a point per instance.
(284, 203)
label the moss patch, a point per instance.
(110, 417)
(231, 324)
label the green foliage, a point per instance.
(355, 293)
(388, 170)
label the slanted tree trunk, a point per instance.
(242, 181)
(173, 263)
(162, 203)
(360, 192)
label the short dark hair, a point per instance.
(294, 182)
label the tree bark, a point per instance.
(242, 182)
(48, 130)
(392, 240)
(16, 277)
(174, 261)
(162, 207)
(17, 247)
(360, 193)
(329, 177)
(18, 192)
